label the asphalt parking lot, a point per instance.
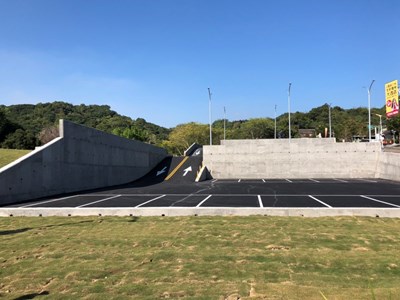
(236, 193)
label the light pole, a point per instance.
(330, 120)
(380, 125)
(224, 123)
(275, 124)
(209, 114)
(290, 133)
(369, 110)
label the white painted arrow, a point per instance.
(162, 171)
(198, 151)
(187, 170)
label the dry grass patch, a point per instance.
(200, 258)
(9, 155)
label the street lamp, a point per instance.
(380, 125)
(209, 114)
(275, 123)
(290, 134)
(330, 120)
(224, 123)
(369, 110)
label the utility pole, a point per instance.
(275, 124)
(224, 123)
(209, 114)
(380, 125)
(369, 110)
(330, 120)
(290, 132)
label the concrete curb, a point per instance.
(201, 211)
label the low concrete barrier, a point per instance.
(81, 158)
(201, 211)
(299, 158)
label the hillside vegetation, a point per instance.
(26, 126)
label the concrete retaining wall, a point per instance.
(389, 166)
(301, 158)
(81, 158)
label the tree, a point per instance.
(48, 134)
(182, 136)
(260, 128)
(20, 139)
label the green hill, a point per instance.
(26, 126)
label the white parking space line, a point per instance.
(159, 197)
(48, 201)
(314, 180)
(340, 180)
(214, 180)
(239, 180)
(369, 198)
(263, 180)
(367, 180)
(260, 201)
(101, 200)
(289, 180)
(319, 201)
(208, 197)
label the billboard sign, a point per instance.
(392, 98)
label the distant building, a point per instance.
(307, 133)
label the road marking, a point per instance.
(159, 197)
(366, 180)
(263, 180)
(208, 197)
(101, 200)
(177, 168)
(162, 171)
(340, 180)
(189, 169)
(109, 198)
(260, 201)
(48, 201)
(239, 180)
(214, 180)
(369, 198)
(289, 180)
(319, 201)
(314, 180)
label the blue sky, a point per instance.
(156, 59)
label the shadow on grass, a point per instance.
(15, 231)
(132, 219)
(7, 232)
(32, 296)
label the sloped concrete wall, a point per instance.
(389, 166)
(81, 158)
(301, 158)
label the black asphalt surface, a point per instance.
(180, 191)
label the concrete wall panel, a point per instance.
(301, 158)
(81, 158)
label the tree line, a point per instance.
(26, 126)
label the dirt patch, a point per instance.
(277, 248)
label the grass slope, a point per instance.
(199, 258)
(9, 155)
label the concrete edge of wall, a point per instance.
(201, 211)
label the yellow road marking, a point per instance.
(177, 168)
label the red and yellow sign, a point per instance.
(392, 98)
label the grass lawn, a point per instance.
(199, 258)
(9, 155)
